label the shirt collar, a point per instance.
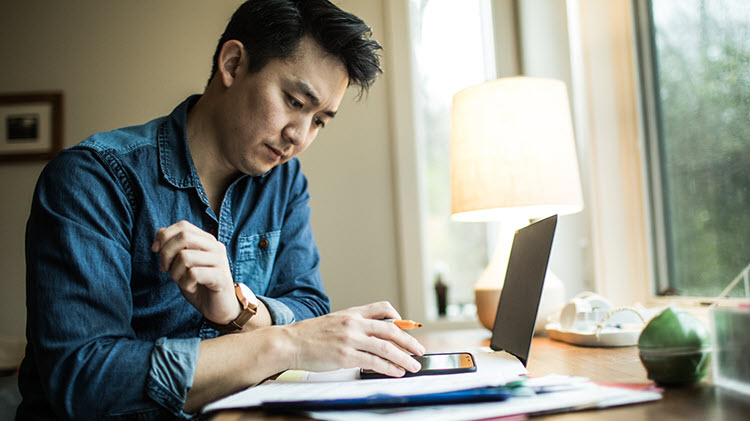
(174, 154)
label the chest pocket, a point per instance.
(255, 258)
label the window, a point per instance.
(452, 49)
(695, 63)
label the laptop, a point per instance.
(522, 290)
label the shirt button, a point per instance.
(213, 232)
(263, 243)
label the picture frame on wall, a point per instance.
(31, 126)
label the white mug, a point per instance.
(584, 311)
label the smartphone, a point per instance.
(448, 363)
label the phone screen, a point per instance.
(459, 362)
(444, 361)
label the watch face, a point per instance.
(250, 299)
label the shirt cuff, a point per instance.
(172, 370)
(280, 313)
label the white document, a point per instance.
(583, 396)
(493, 369)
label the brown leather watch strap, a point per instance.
(248, 310)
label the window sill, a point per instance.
(699, 307)
(450, 323)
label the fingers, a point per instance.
(182, 232)
(165, 234)
(382, 341)
(372, 343)
(347, 339)
(195, 276)
(198, 263)
(374, 363)
(369, 344)
(391, 333)
(193, 257)
(183, 235)
(387, 359)
(194, 266)
(384, 310)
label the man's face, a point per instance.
(274, 114)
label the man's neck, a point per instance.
(203, 144)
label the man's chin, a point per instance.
(257, 169)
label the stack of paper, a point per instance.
(498, 384)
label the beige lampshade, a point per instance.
(513, 151)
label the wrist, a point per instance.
(246, 305)
(234, 308)
(273, 351)
(282, 346)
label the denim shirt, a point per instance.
(109, 335)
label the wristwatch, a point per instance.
(249, 303)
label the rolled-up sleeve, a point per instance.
(280, 313)
(173, 364)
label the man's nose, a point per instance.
(294, 132)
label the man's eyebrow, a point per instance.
(308, 91)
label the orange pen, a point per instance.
(404, 324)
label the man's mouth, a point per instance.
(278, 154)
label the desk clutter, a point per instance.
(591, 320)
(674, 346)
(500, 387)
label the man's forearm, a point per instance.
(233, 362)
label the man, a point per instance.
(173, 263)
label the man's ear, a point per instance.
(230, 57)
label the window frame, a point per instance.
(649, 102)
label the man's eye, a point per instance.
(295, 103)
(319, 123)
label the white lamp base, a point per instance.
(553, 299)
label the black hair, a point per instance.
(272, 29)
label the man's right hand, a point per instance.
(355, 337)
(199, 265)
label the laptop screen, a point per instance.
(522, 290)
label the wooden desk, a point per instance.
(701, 402)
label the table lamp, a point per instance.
(513, 158)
